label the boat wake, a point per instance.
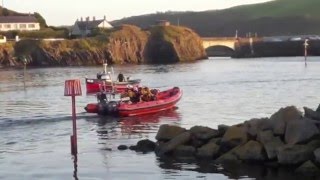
(36, 120)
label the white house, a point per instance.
(83, 28)
(20, 23)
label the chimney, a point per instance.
(104, 17)
(88, 18)
(81, 19)
(93, 18)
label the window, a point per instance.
(22, 26)
(8, 26)
(31, 26)
(0, 26)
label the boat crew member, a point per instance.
(120, 77)
(146, 95)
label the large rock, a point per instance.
(309, 113)
(314, 143)
(308, 168)
(145, 146)
(317, 155)
(184, 151)
(253, 126)
(234, 136)
(203, 133)
(294, 154)
(227, 158)
(251, 151)
(282, 116)
(318, 109)
(169, 146)
(208, 151)
(167, 132)
(222, 128)
(300, 131)
(270, 143)
(265, 136)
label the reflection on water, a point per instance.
(232, 170)
(75, 167)
(147, 123)
(134, 126)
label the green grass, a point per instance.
(278, 17)
(280, 8)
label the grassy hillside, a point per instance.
(279, 17)
(8, 12)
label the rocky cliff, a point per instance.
(6, 55)
(167, 44)
(124, 44)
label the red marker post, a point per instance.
(73, 88)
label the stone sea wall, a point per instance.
(289, 138)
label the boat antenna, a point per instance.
(112, 71)
(105, 68)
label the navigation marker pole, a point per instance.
(24, 71)
(73, 88)
(305, 51)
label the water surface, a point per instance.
(35, 122)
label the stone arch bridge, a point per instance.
(219, 46)
(222, 41)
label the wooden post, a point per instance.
(73, 88)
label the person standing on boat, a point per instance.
(120, 77)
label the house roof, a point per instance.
(83, 25)
(18, 19)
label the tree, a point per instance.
(41, 20)
(5, 12)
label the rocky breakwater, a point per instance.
(288, 139)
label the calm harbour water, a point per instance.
(35, 122)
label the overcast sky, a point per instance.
(66, 12)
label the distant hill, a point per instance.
(279, 17)
(8, 12)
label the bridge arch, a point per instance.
(220, 50)
(225, 41)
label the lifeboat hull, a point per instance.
(92, 108)
(164, 100)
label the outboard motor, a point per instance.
(113, 107)
(99, 75)
(108, 108)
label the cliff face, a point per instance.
(168, 44)
(125, 44)
(7, 55)
(60, 53)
